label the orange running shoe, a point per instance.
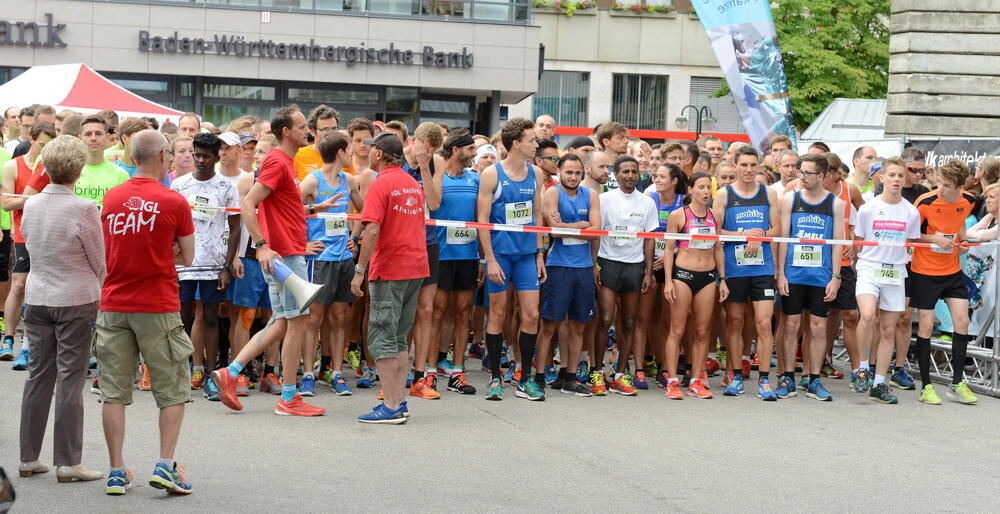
(197, 379)
(297, 407)
(712, 366)
(704, 380)
(381, 393)
(698, 390)
(270, 384)
(242, 385)
(226, 385)
(144, 382)
(597, 382)
(623, 386)
(674, 390)
(753, 365)
(420, 390)
(746, 367)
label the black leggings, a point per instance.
(695, 280)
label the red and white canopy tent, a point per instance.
(79, 88)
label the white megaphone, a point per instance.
(305, 292)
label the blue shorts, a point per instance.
(282, 301)
(251, 290)
(518, 269)
(569, 292)
(204, 291)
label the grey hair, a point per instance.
(64, 158)
(146, 144)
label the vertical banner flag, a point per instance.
(745, 43)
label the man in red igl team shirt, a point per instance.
(147, 230)
(279, 233)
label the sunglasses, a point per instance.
(551, 158)
(917, 170)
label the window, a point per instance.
(640, 101)
(723, 109)
(239, 92)
(145, 88)
(564, 96)
(331, 96)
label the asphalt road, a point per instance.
(462, 453)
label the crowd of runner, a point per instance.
(405, 304)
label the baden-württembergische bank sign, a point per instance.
(239, 46)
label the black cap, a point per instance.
(580, 142)
(389, 143)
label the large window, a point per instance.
(640, 101)
(564, 96)
(723, 109)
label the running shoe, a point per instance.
(95, 388)
(727, 379)
(297, 407)
(419, 389)
(354, 359)
(270, 384)
(431, 382)
(698, 390)
(704, 380)
(559, 381)
(582, 371)
(650, 367)
(172, 481)
(881, 393)
(786, 388)
(674, 390)
(21, 362)
(745, 367)
(197, 379)
(242, 385)
(225, 386)
(624, 386)
(901, 379)
(326, 376)
(7, 349)
(735, 388)
(804, 383)
(504, 361)
(145, 383)
(459, 384)
(508, 376)
(444, 368)
(576, 388)
(764, 391)
(662, 379)
(210, 392)
(517, 374)
(368, 378)
(383, 415)
(721, 353)
(929, 396)
(3, 324)
(960, 393)
(862, 381)
(829, 371)
(339, 385)
(495, 390)
(753, 365)
(404, 408)
(308, 386)
(550, 374)
(818, 392)
(119, 482)
(597, 382)
(477, 350)
(640, 380)
(529, 390)
(712, 366)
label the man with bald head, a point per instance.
(545, 127)
(147, 230)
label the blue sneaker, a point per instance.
(368, 378)
(404, 408)
(209, 390)
(21, 363)
(640, 380)
(444, 368)
(786, 388)
(735, 388)
(339, 385)
(504, 361)
(307, 386)
(529, 390)
(901, 379)
(7, 349)
(764, 391)
(119, 483)
(862, 381)
(550, 374)
(583, 372)
(495, 390)
(384, 416)
(818, 392)
(171, 480)
(508, 376)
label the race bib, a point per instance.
(198, 213)
(518, 213)
(743, 259)
(807, 256)
(935, 249)
(888, 274)
(460, 236)
(660, 247)
(335, 228)
(702, 244)
(573, 241)
(622, 240)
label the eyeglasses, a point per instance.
(810, 173)
(551, 158)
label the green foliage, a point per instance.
(567, 7)
(641, 8)
(831, 49)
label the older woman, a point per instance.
(63, 234)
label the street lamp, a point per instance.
(705, 119)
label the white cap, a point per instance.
(230, 138)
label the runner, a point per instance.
(747, 208)
(936, 274)
(888, 218)
(808, 275)
(321, 121)
(546, 157)
(625, 264)
(694, 276)
(569, 294)
(509, 193)
(861, 177)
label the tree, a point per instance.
(831, 49)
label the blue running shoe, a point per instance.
(504, 361)
(529, 390)
(764, 391)
(550, 374)
(640, 380)
(444, 368)
(209, 390)
(818, 392)
(368, 379)
(21, 363)
(508, 376)
(583, 372)
(862, 382)
(495, 390)
(171, 480)
(7, 349)
(383, 415)
(339, 385)
(735, 388)
(804, 383)
(307, 386)
(901, 379)
(786, 388)
(119, 482)
(404, 408)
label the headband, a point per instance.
(463, 140)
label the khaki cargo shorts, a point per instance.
(121, 337)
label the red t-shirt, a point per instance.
(396, 202)
(280, 214)
(23, 178)
(140, 220)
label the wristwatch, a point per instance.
(358, 270)
(260, 243)
(836, 276)
(312, 209)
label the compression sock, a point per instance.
(527, 344)
(288, 392)
(235, 368)
(959, 345)
(924, 359)
(494, 347)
